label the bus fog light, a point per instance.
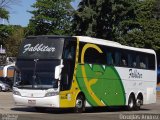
(16, 93)
(51, 94)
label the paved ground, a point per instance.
(10, 112)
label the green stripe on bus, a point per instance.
(108, 87)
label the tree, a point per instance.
(156, 14)
(5, 32)
(116, 18)
(4, 5)
(4, 14)
(101, 18)
(147, 35)
(156, 9)
(50, 17)
(129, 22)
(85, 18)
(13, 41)
(10, 38)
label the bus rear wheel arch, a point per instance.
(80, 103)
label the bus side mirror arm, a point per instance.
(58, 70)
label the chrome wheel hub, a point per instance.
(79, 103)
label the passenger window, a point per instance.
(129, 60)
(138, 61)
(151, 62)
(110, 58)
(134, 61)
(92, 55)
(124, 59)
(117, 58)
(113, 56)
(143, 62)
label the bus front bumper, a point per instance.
(52, 101)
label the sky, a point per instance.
(19, 14)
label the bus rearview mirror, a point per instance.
(58, 70)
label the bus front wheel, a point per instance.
(131, 103)
(0, 89)
(80, 104)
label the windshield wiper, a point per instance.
(17, 83)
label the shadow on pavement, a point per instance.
(68, 111)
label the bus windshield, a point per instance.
(36, 74)
(38, 59)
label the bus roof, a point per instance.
(112, 44)
(98, 41)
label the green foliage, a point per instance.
(5, 32)
(10, 38)
(130, 22)
(51, 17)
(148, 34)
(13, 42)
(101, 18)
(4, 14)
(156, 9)
(85, 18)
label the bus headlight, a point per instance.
(16, 93)
(51, 94)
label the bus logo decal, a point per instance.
(38, 47)
(134, 74)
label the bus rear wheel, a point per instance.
(139, 102)
(80, 104)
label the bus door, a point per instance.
(66, 94)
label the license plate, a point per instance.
(31, 102)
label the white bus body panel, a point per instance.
(139, 81)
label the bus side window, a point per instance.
(92, 56)
(151, 62)
(124, 59)
(138, 61)
(143, 62)
(69, 53)
(134, 62)
(109, 58)
(117, 58)
(130, 60)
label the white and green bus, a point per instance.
(79, 72)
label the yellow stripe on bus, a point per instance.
(95, 98)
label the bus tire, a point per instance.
(0, 89)
(139, 102)
(80, 104)
(131, 103)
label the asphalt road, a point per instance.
(10, 112)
